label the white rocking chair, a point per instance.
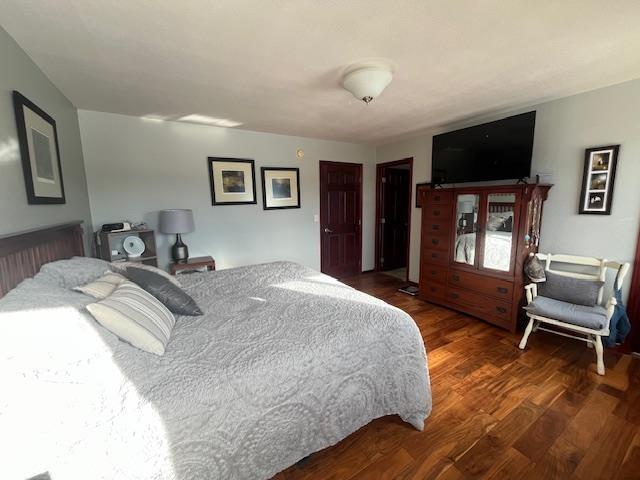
(591, 336)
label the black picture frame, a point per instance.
(263, 171)
(215, 199)
(20, 102)
(600, 164)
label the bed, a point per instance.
(285, 362)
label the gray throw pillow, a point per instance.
(571, 290)
(171, 296)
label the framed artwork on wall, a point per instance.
(41, 165)
(598, 179)
(232, 181)
(280, 188)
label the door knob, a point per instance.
(327, 230)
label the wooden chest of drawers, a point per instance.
(493, 296)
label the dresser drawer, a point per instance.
(436, 227)
(437, 212)
(437, 257)
(480, 305)
(436, 242)
(434, 273)
(436, 197)
(494, 287)
(433, 291)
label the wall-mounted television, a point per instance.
(499, 150)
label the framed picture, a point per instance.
(598, 179)
(38, 138)
(280, 188)
(233, 181)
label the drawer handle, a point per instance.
(434, 272)
(435, 226)
(432, 289)
(501, 309)
(455, 278)
(454, 295)
(436, 213)
(435, 241)
(502, 290)
(434, 255)
(436, 198)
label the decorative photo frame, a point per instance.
(232, 181)
(41, 165)
(280, 188)
(598, 179)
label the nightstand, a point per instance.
(110, 246)
(194, 263)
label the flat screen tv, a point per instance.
(499, 150)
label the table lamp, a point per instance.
(177, 221)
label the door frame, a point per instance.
(322, 217)
(378, 231)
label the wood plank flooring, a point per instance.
(498, 412)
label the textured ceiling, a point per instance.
(275, 65)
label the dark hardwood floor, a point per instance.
(498, 412)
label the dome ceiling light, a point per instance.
(367, 79)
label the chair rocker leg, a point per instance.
(599, 354)
(527, 332)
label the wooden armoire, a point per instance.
(474, 243)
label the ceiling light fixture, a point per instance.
(207, 120)
(367, 79)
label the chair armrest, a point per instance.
(531, 291)
(610, 306)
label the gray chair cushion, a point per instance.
(172, 296)
(571, 290)
(581, 315)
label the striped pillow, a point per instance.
(102, 287)
(136, 317)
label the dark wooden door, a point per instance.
(394, 221)
(633, 307)
(340, 218)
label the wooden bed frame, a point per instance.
(23, 253)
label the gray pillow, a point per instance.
(571, 290)
(171, 296)
(72, 272)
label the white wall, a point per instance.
(564, 128)
(18, 72)
(136, 167)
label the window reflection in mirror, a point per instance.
(466, 228)
(499, 231)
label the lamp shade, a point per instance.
(465, 207)
(176, 221)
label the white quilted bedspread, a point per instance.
(285, 362)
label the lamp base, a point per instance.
(179, 251)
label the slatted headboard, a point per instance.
(23, 253)
(499, 207)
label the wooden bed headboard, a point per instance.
(23, 253)
(500, 207)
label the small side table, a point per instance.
(194, 263)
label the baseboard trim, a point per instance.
(369, 271)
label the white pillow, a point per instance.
(103, 286)
(120, 267)
(136, 317)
